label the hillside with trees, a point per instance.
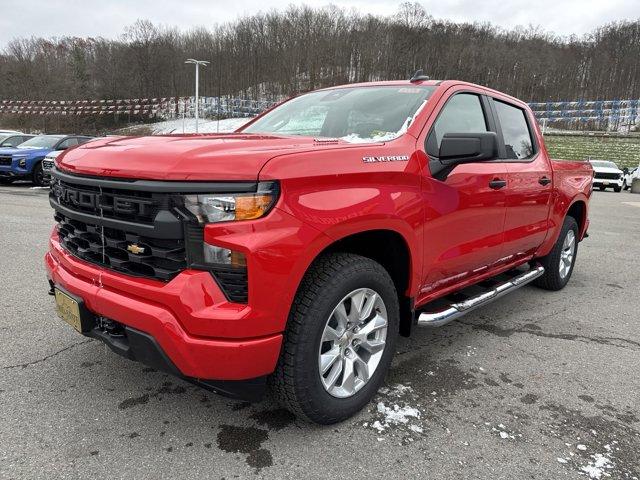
(278, 53)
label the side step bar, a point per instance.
(457, 310)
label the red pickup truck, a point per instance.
(291, 253)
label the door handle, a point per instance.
(544, 180)
(497, 183)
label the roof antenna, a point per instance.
(419, 76)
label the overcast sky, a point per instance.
(107, 18)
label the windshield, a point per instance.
(43, 141)
(354, 114)
(603, 164)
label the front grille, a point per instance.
(5, 160)
(155, 258)
(607, 176)
(137, 228)
(47, 164)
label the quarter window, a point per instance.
(515, 130)
(462, 114)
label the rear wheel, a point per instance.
(38, 175)
(339, 340)
(560, 261)
(624, 185)
(617, 189)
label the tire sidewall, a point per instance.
(307, 359)
(38, 175)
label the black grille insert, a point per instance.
(233, 281)
(5, 161)
(607, 176)
(122, 251)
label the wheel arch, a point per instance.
(392, 250)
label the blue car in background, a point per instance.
(25, 160)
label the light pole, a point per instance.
(197, 63)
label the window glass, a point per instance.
(461, 114)
(354, 114)
(517, 138)
(69, 142)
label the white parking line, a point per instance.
(633, 204)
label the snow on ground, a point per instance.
(188, 125)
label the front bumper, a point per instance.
(598, 182)
(138, 306)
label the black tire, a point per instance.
(617, 189)
(296, 382)
(602, 188)
(624, 185)
(552, 279)
(37, 176)
(6, 181)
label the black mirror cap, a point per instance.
(458, 148)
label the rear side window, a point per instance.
(517, 137)
(462, 114)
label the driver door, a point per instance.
(464, 208)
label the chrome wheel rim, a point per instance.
(567, 253)
(353, 342)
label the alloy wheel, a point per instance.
(353, 342)
(567, 253)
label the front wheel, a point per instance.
(602, 188)
(559, 263)
(617, 189)
(340, 339)
(38, 175)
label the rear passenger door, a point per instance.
(529, 182)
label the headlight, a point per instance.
(213, 208)
(22, 161)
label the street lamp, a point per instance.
(197, 63)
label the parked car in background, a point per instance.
(25, 160)
(12, 140)
(628, 176)
(606, 174)
(48, 163)
(9, 132)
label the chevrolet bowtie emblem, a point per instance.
(135, 249)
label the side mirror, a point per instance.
(625, 170)
(457, 148)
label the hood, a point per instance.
(605, 169)
(185, 157)
(27, 151)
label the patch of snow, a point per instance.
(204, 126)
(562, 460)
(378, 426)
(504, 435)
(596, 468)
(397, 414)
(581, 447)
(416, 428)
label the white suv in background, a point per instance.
(606, 174)
(628, 177)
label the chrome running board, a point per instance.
(456, 310)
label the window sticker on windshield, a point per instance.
(409, 90)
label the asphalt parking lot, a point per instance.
(537, 385)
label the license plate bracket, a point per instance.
(72, 310)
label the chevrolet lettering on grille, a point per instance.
(102, 201)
